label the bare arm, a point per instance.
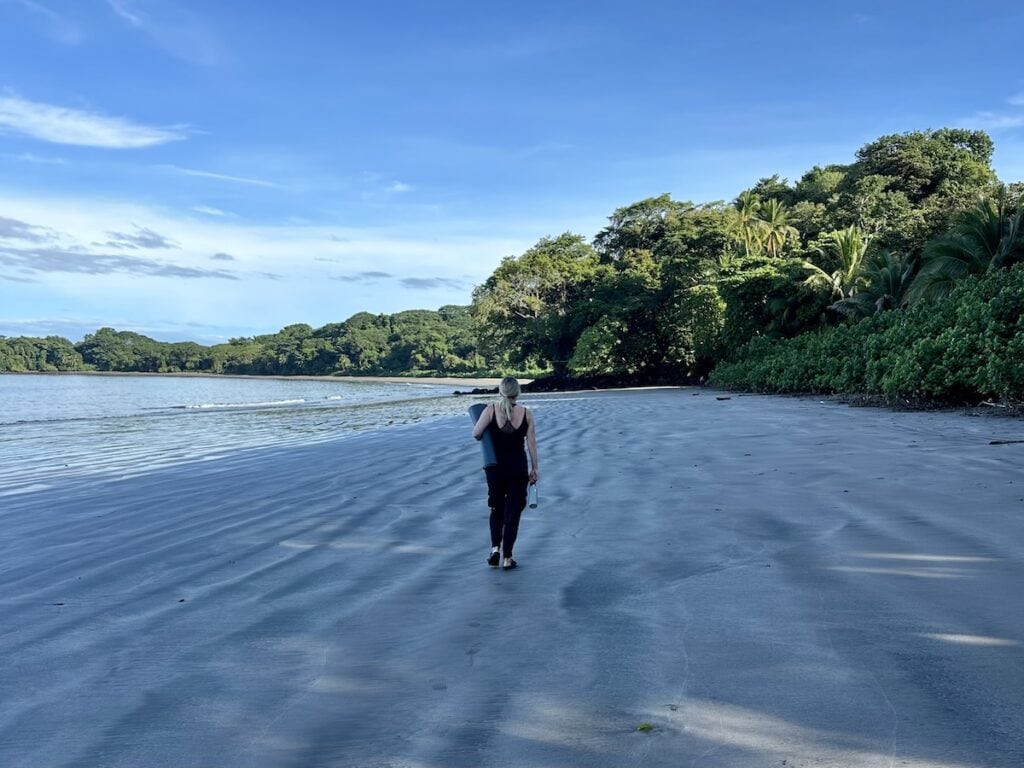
(531, 445)
(483, 422)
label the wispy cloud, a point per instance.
(430, 283)
(176, 29)
(75, 328)
(13, 229)
(56, 26)
(414, 283)
(222, 177)
(209, 210)
(65, 125)
(375, 183)
(992, 121)
(31, 157)
(363, 277)
(79, 261)
(222, 257)
(126, 11)
(141, 238)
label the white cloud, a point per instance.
(223, 177)
(209, 210)
(993, 121)
(126, 12)
(65, 125)
(987, 120)
(399, 186)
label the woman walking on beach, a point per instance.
(509, 425)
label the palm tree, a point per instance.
(844, 251)
(775, 228)
(745, 224)
(890, 276)
(988, 236)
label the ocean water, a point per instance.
(54, 426)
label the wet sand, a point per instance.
(763, 581)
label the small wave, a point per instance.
(264, 404)
(333, 397)
(103, 417)
(31, 488)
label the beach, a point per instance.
(710, 579)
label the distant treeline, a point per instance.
(416, 341)
(894, 274)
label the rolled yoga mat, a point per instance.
(486, 444)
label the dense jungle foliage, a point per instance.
(894, 274)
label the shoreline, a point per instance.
(1009, 410)
(440, 380)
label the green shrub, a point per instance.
(964, 348)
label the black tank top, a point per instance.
(509, 444)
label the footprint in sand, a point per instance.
(438, 684)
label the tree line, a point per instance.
(788, 281)
(747, 292)
(415, 341)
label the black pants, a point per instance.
(506, 496)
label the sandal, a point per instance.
(509, 564)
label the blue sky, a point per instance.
(201, 170)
